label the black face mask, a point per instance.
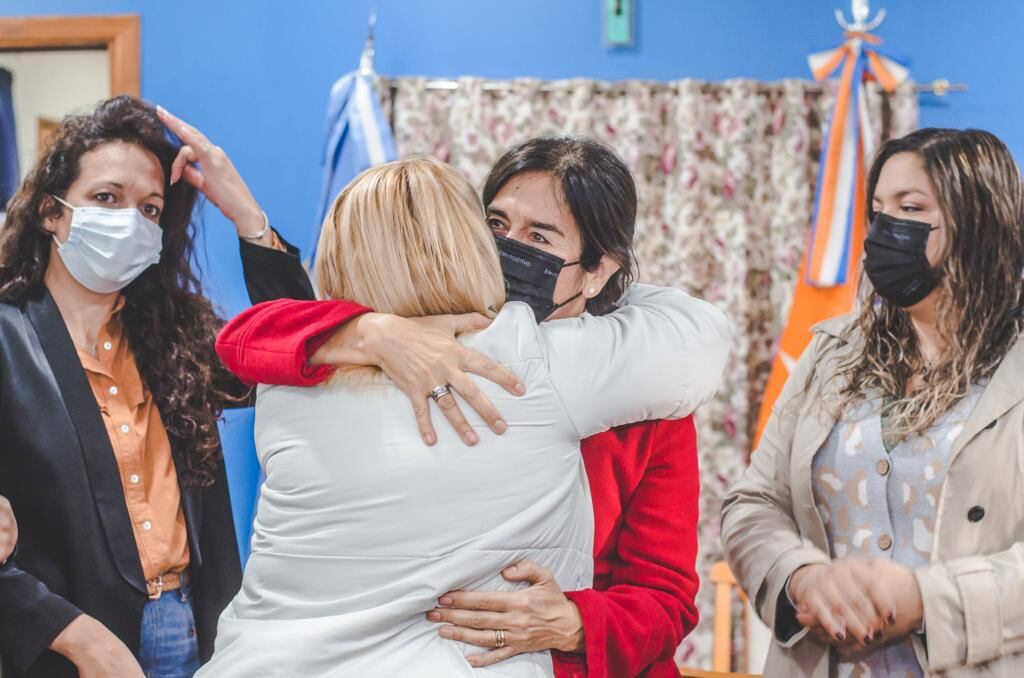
(531, 275)
(895, 260)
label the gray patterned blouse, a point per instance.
(880, 503)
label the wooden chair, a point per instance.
(698, 673)
(721, 645)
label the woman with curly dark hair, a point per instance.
(879, 530)
(110, 391)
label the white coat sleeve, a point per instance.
(660, 356)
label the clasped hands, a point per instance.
(857, 604)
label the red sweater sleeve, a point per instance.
(271, 343)
(639, 620)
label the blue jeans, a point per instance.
(170, 648)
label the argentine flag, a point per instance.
(357, 138)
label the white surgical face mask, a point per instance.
(109, 248)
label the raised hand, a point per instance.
(206, 166)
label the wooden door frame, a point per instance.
(119, 34)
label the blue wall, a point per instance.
(255, 75)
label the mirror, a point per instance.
(45, 85)
(53, 66)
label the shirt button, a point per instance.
(147, 525)
(883, 467)
(885, 542)
(134, 478)
(976, 514)
(107, 345)
(113, 390)
(125, 428)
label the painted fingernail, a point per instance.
(500, 426)
(841, 636)
(446, 632)
(434, 616)
(470, 438)
(520, 389)
(445, 601)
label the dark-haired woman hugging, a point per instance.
(110, 391)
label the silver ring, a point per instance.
(499, 639)
(440, 392)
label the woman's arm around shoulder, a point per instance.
(271, 343)
(659, 356)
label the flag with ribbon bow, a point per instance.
(827, 285)
(838, 208)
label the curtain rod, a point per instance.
(938, 87)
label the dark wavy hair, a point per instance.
(981, 305)
(169, 325)
(598, 189)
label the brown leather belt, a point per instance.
(169, 581)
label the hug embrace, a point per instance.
(548, 526)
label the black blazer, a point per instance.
(76, 551)
(273, 274)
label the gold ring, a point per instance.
(499, 639)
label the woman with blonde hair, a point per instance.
(361, 527)
(879, 529)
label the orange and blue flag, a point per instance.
(848, 142)
(827, 284)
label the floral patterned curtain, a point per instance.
(726, 175)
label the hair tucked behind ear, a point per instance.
(169, 325)
(597, 188)
(981, 307)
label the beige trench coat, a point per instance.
(973, 589)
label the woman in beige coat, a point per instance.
(879, 530)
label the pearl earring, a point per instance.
(591, 291)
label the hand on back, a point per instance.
(420, 355)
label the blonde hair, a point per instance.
(409, 238)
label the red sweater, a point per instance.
(643, 479)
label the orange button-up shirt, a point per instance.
(142, 450)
